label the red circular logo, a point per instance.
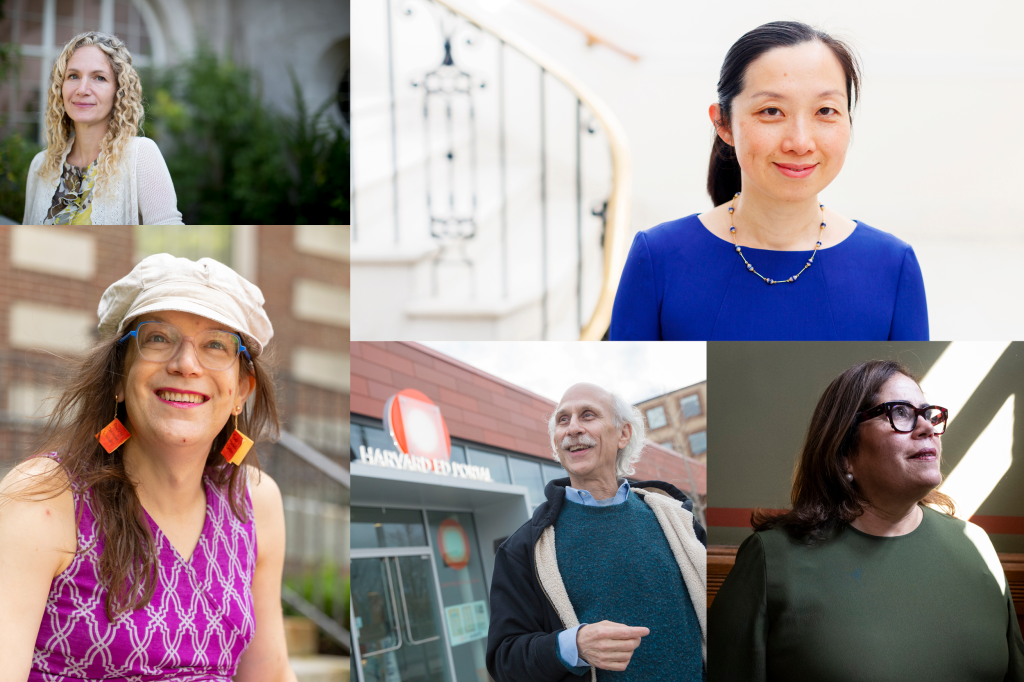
(454, 544)
(416, 425)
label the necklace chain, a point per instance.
(732, 231)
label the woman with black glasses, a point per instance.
(863, 579)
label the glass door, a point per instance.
(460, 572)
(398, 622)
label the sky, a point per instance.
(636, 370)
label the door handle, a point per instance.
(405, 610)
(394, 610)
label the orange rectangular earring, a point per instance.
(237, 446)
(113, 434)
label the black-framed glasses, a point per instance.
(160, 341)
(903, 416)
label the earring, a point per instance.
(113, 434)
(849, 477)
(237, 446)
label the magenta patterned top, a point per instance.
(196, 627)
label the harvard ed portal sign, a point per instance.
(421, 438)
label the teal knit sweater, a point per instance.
(617, 565)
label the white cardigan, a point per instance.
(143, 193)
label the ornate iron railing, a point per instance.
(455, 172)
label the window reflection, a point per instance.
(530, 475)
(375, 527)
(698, 442)
(498, 464)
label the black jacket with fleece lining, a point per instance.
(522, 642)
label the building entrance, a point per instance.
(400, 633)
(420, 609)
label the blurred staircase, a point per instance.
(491, 187)
(315, 491)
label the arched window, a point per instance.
(41, 28)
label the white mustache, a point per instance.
(585, 441)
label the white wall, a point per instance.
(936, 146)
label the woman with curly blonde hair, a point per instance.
(95, 169)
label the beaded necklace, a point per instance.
(732, 230)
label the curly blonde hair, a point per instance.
(126, 116)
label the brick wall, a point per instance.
(480, 407)
(18, 366)
(677, 429)
(114, 246)
(279, 264)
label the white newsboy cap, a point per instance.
(204, 287)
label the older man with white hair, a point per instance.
(622, 593)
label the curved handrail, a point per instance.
(592, 38)
(617, 215)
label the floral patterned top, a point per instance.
(72, 202)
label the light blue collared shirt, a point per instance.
(586, 499)
(567, 650)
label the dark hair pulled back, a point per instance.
(724, 169)
(822, 497)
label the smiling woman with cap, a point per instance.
(147, 544)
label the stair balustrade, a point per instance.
(491, 192)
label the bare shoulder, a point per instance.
(268, 514)
(33, 479)
(264, 490)
(37, 510)
(267, 505)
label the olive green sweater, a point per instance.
(932, 605)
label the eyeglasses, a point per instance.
(903, 416)
(160, 341)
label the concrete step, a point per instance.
(320, 668)
(392, 287)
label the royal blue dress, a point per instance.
(682, 283)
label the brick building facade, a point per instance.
(484, 409)
(678, 420)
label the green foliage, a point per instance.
(191, 241)
(16, 155)
(233, 160)
(327, 589)
(15, 152)
(10, 55)
(10, 60)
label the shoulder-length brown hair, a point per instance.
(822, 497)
(128, 562)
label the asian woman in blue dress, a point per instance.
(770, 262)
